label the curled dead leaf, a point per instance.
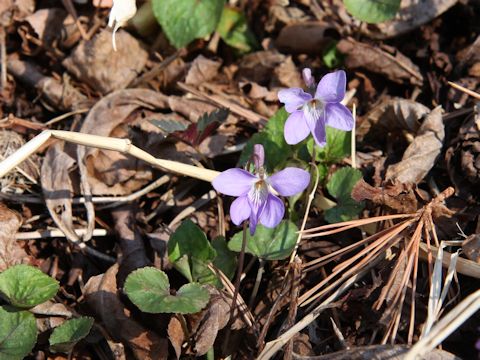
(393, 114)
(10, 251)
(385, 61)
(421, 154)
(94, 61)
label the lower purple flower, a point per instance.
(257, 200)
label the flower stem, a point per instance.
(241, 260)
(258, 280)
(311, 196)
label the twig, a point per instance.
(465, 90)
(66, 115)
(235, 108)
(32, 235)
(3, 59)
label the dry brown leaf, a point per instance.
(96, 63)
(385, 61)
(110, 172)
(258, 66)
(57, 188)
(10, 251)
(463, 158)
(102, 296)
(303, 38)
(411, 15)
(422, 153)
(393, 114)
(202, 70)
(397, 196)
(287, 74)
(176, 335)
(47, 23)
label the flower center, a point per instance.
(259, 192)
(313, 110)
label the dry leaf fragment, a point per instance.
(463, 158)
(95, 62)
(471, 247)
(303, 38)
(393, 114)
(411, 15)
(202, 70)
(102, 296)
(422, 153)
(397, 196)
(10, 251)
(393, 64)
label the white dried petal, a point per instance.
(122, 11)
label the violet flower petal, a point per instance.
(255, 212)
(273, 212)
(318, 132)
(293, 98)
(258, 155)
(296, 128)
(289, 181)
(339, 117)
(331, 89)
(240, 210)
(234, 182)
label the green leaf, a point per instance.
(372, 11)
(149, 289)
(338, 145)
(25, 286)
(277, 151)
(340, 186)
(18, 333)
(186, 20)
(233, 29)
(267, 243)
(65, 336)
(225, 260)
(186, 243)
(331, 57)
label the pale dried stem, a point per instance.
(107, 143)
(465, 90)
(448, 324)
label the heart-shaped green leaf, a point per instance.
(18, 333)
(186, 20)
(65, 336)
(25, 286)
(187, 243)
(372, 11)
(340, 186)
(149, 289)
(267, 243)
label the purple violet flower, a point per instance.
(311, 111)
(257, 192)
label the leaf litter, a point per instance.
(384, 219)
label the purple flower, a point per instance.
(311, 111)
(256, 192)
